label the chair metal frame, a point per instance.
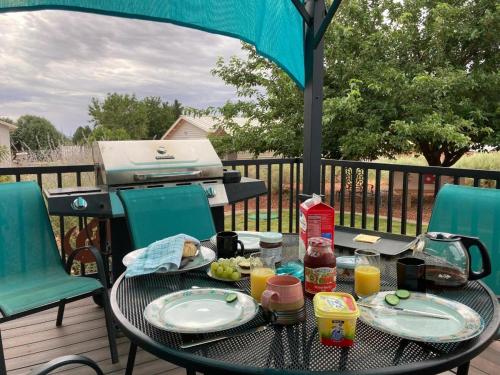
(100, 292)
(46, 368)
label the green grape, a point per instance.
(213, 267)
(219, 272)
(228, 272)
(235, 276)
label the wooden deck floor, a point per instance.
(35, 339)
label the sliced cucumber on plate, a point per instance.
(393, 299)
(402, 294)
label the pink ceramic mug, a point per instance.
(283, 293)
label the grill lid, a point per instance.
(137, 162)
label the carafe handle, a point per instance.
(485, 257)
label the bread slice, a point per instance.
(244, 264)
(189, 249)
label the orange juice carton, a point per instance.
(317, 219)
(336, 315)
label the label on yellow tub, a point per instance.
(336, 314)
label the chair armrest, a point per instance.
(66, 360)
(98, 258)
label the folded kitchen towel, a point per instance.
(164, 254)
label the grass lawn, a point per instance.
(396, 224)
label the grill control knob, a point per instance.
(79, 204)
(210, 192)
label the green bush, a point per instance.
(477, 160)
(480, 160)
(5, 179)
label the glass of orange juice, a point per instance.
(366, 272)
(261, 268)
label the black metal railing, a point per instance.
(379, 196)
(279, 205)
(382, 193)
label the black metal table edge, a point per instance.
(211, 366)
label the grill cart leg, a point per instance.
(3, 369)
(60, 313)
(463, 369)
(131, 359)
(103, 240)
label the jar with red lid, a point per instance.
(320, 266)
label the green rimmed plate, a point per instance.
(200, 310)
(464, 323)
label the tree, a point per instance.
(271, 101)
(101, 133)
(81, 135)
(148, 118)
(160, 115)
(417, 75)
(35, 133)
(120, 112)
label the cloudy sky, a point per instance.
(53, 62)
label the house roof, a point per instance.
(208, 124)
(8, 125)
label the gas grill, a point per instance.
(150, 164)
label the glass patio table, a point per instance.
(295, 349)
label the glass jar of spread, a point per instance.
(272, 243)
(320, 266)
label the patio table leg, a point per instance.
(131, 359)
(3, 369)
(463, 369)
(190, 371)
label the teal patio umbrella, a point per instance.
(288, 32)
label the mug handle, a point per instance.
(242, 250)
(266, 297)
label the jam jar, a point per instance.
(320, 266)
(272, 243)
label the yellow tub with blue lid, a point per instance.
(336, 315)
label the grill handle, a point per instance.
(169, 175)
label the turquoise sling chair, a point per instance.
(156, 213)
(473, 212)
(153, 214)
(32, 275)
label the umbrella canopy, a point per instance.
(274, 27)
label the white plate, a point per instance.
(200, 311)
(209, 273)
(205, 257)
(251, 240)
(464, 323)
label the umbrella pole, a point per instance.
(313, 98)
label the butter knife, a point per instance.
(405, 311)
(219, 338)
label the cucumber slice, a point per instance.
(392, 299)
(402, 294)
(231, 297)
